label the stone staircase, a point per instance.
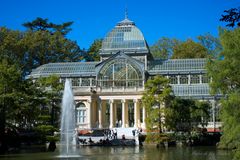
(125, 131)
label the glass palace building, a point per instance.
(108, 92)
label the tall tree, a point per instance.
(156, 97)
(31, 49)
(189, 49)
(43, 47)
(52, 90)
(232, 17)
(186, 114)
(225, 73)
(40, 24)
(211, 43)
(163, 48)
(93, 51)
(18, 100)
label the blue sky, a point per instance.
(181, 19)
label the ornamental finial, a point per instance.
(126, 13)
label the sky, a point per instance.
(93, 19)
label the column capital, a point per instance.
(137, 100)
(111, 100)
(123, 100)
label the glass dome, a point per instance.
(125, 36)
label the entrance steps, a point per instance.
(127, 132)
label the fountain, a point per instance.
(68, 142)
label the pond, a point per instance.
(131, 153)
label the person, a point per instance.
(90, 140)
(116, 123)
(52, 146)
(133, 132)
(123, 137)
(115, 134)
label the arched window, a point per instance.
(81, 113)
(120, 73)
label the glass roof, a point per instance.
(69, 69)
(125, 36)
(175, 66)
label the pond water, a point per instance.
(131, 153)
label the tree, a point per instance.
(52, 90)
(11, 48)
(40, 24)
(18, 101)
(211, 43)
(92, 53)
(185, 114)
(43, 47)
(232, 17)
(163, 48)
(31, 49)
(156, 97)
(189, 49)
(225, 74)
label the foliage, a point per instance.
(31, 49)
(232, 17)
(163, 48)
(45, 132)
(156, 97)
(225, 73)
(40, 24)
(230, 115)
(52, 95)
(211, 43)
(185, 114)
(157, 137)
(92, 53)
(19, 100)
(189, 49)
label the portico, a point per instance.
(112, 111)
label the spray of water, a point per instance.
(67, 121)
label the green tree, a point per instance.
(93, 51)
(52, 91)
(163, 48)
(232, 17)
(186, 114)
(211, 43)
(156, 98)
(40, 24)
(225, 73)
(43, 47)
(19, 100)
(31, 49)
(189, 49)
(11, 48)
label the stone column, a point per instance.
(89, 113)
(178, 79)
(213, 114)
(123, 113)
(111, 114)
(200, 78)
(126, 115)
(135, 113)
(189, 79)
(99, 113)
(144, 116)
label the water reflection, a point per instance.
(133, 153)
